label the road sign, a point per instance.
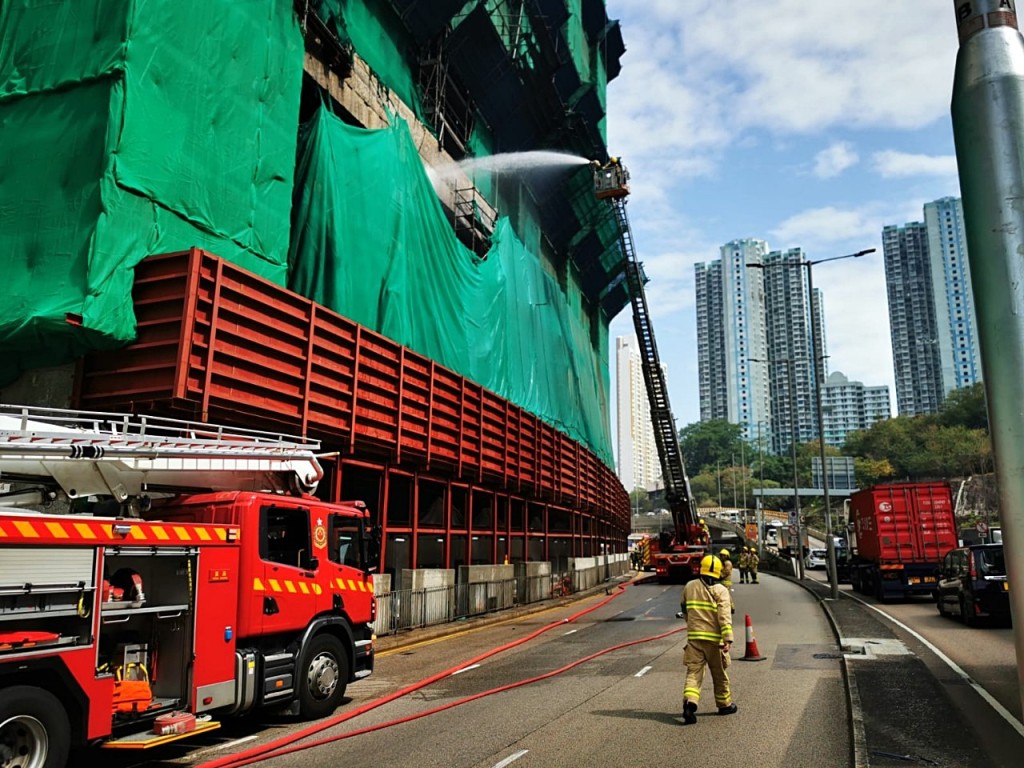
(792, 530)
(982, 527)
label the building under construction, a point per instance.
(316, 217)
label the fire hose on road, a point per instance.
(283, 746)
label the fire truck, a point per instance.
(676, 555)
(158, 574)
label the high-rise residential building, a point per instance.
(638, 462)
(754, 347)
(710, 341)
(931, 308)
(731, 332)
(954, 298)
(848, 406)
(788, 308)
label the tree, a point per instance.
(639, 501)
(707, 445)
(965, 407)
(872, 471)
(919, 448)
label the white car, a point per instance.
(816, 558)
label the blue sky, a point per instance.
(803, 123)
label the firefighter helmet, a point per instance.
(724, 553)
(711, 566)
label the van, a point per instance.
(771, 536)
(972, 584)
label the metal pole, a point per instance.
(796, 481)
(988, 132)
(830, 542)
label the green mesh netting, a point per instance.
(116, 142)
(371, 241)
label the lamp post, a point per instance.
(830, 541)
(792, 440)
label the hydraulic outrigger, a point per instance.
(678, 556)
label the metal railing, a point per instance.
(405, 609)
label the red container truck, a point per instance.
(900, 534)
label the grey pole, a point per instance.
(988, 131)
(830, 542)
(796, 481)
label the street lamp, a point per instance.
(796, 481)
(830, 543)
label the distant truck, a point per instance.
(787, 542)
(899, 535)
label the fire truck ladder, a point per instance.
(673, 470)
(108, 454)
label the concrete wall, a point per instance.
(431, 600)
(486, 588)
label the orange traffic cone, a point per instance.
(751, 654)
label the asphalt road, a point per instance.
(607, 710)
(611, 705)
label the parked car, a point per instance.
(816, 558)
(972, 584)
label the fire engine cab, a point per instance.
(156, 574)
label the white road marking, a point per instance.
(570, 632)
(511, 759)
(999, 708)
(225, 745)
(464, 669)
(643, 672)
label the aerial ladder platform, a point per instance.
(678, 556)
(127, 456)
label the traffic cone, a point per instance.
(751, 654)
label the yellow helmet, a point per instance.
(724, 553)
(711, 566)
(701, 521)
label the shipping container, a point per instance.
(900, 534)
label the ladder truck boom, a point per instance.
(680, 556)
(92, 453)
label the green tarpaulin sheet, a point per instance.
(371, 242)
(130, 128)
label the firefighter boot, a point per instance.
(731, 709)
(689, 713)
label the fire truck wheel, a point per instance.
(34, 728)
(323, 677)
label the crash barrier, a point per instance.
(437, 600)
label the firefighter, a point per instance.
(727, 575)
(705, 532)
(706, 604)
(752, 562)
(744, 564)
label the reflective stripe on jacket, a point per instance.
(708, 611)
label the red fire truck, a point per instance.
(157, 574)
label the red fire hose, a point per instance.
(282, 746)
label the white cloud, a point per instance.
(821, 229)
(890, 164)
(702, 72)
(834, 160)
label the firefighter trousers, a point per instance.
(698, 655)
